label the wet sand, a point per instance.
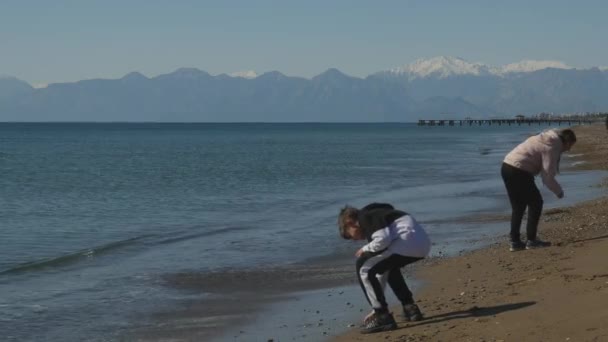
(558, 293)
(234, 300)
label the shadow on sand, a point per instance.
(591, 239)
(475, 311)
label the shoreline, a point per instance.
(559, 293)
(317, 307)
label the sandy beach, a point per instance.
(558, 293)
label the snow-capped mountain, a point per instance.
(440, 87)
(531, 65)
(250, 74)
(443, 67)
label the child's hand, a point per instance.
(368, 317)
(359, 252)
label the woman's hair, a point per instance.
(347, 215)
(567, 135)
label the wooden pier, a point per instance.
(500, 122)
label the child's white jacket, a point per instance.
(404, 236)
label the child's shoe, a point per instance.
(531, 244)
(379, 322)
(411, 313)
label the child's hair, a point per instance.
(567, 135)
(347, 214)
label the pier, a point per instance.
(500, 122)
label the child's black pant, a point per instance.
(370, 265)
(522, 193)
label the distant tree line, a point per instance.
(595, 116)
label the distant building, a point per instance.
(519, 117)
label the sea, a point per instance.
(95, 217)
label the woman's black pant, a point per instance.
(523, 194)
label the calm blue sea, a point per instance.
(92, 215)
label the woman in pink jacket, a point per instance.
(539, 154)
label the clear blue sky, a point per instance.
(53, 41)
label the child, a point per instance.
(395, 239)
(538, 154)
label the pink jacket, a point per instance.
(539, 154)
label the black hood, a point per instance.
(376, 216)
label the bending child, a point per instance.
(395, 240)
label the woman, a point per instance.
(538, 154)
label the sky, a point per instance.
(63, 41)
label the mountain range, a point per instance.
(436, 88)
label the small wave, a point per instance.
(484, 151)
(366, 167)
(143, 240)
(184, 237)
(71, 258)
(318, 273)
